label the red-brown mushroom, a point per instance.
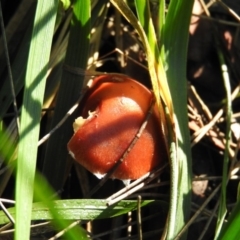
(114, 109)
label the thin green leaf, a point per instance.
(161, 19)
(175, 42)
(144, 16)
(31, 111)
(161, 23)
(231, 229)
(226, 80)
(83, 209)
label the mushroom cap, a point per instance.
(114, 109)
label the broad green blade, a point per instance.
(83, 209)
(231, 228)
(175, 42)
(31, 111)
(144, 16)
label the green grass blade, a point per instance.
(231, 229)
(144, 16)
(223, 205)
(31, 111)
(161, 22)
(175, 42)
(79, 209)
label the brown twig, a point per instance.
(134, 186)
(139, 218)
